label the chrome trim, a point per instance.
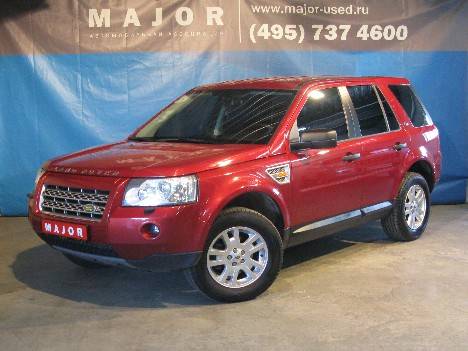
(73, 195)
(342, 217)
(63, 206)
(329, 221)
(62, 216)
(376, 207)
(70, 202)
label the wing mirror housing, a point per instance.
(315, 139)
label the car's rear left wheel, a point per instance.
(410, 213)
(242, 256)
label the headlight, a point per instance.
(161, 191)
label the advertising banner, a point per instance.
(74, 74)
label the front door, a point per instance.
(326, 183)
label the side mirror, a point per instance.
(315, 139)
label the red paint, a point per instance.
(322, 184)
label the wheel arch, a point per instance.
(260, 200)
(425, 169)
(262, 203)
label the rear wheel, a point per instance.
(84, 263)
(242, 256)
(410, 215)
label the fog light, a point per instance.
(151, 230)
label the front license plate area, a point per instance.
(64, 229)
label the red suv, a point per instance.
(229, 175)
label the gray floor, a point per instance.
(353, 291)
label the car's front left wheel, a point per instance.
(242, 256)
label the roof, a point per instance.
(295, 82)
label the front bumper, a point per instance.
(105, 254)
(154, 263)
(118, 237)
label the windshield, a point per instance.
(220, 116)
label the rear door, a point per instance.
(325, 182)
(384, 144)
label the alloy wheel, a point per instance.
(237, 257)
(415, 207)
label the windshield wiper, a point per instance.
(186, 140)
(141, 139)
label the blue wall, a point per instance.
(56, 104)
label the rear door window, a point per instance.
(368, 110)
(323, 110)
(411, 104)
(391, 119)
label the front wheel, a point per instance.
(242, 256)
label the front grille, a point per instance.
(79, 245)
(73, 202)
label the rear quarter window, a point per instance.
(411, 104)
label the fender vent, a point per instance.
(281, 174)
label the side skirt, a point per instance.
(337, 223)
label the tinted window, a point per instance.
(411, 104)
(392, 121)
(220, 116)
(368, 110)
(323, 109)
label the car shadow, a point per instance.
(44, 269)
(369, 233)
(47, 270)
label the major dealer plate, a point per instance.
(68, 230)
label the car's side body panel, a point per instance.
(382, 166)
(323, 184)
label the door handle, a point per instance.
(351, 157)
(399, 146)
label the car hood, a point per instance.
(146, 159)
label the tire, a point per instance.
(84, 263)
(259, 248)
(396, 223)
